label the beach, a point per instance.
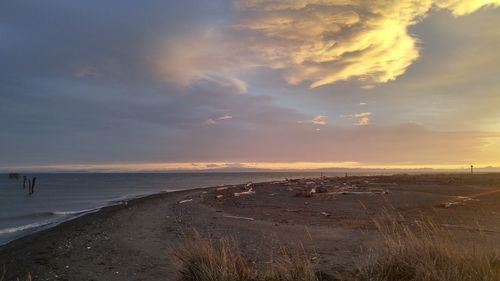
(330, 218)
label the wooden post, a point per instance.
(24, 182)
(471, 169)
(32, 189)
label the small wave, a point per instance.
(28, 215)
(40, 224)
(46, 214)
(78, 212)
(24, 227)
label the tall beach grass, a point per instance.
(421, 251)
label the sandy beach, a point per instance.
(330, 218)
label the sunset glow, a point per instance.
(251, 84)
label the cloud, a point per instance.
(363, 118)
(129, 115)
(87, 71)
(210, 57)
(213, 121)
(318, 42)
(463, 7)
(325, 41)
(210, 121)
(225, 117)
(319, 120)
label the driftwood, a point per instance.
(237, 217)
(248, 192)
(325, 214)
(305, 194)
(363, 192)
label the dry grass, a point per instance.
(205, 260)
(420, 251)
(28, 278)
(4, 271)
(428, 252)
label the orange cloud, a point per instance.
(363, 118)
(319, 120)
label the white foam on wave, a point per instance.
(24, 227)
(40, 224)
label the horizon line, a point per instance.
(228, 166)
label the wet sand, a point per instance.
(136, 241)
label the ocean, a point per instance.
(61, 197)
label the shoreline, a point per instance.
(137, 240)
(99, 211)
(38, 226)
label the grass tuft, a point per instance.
(428, 252)
(201, 260)
(205, 260)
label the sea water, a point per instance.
(60, 197)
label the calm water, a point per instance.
(59, 197)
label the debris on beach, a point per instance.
(460, 200)
(248, 192)
(222, 188)
(185, 201)
(219, 196)
(364, 192)
(321, 189)
(325, 214)
(238, 217)
(310, 183)
(305, 194)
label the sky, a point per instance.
(272, 84)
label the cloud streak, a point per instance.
(213, 121)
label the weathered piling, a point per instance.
(14, 176)
(32, 186)
(29, 187)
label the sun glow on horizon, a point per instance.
(223, 166)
